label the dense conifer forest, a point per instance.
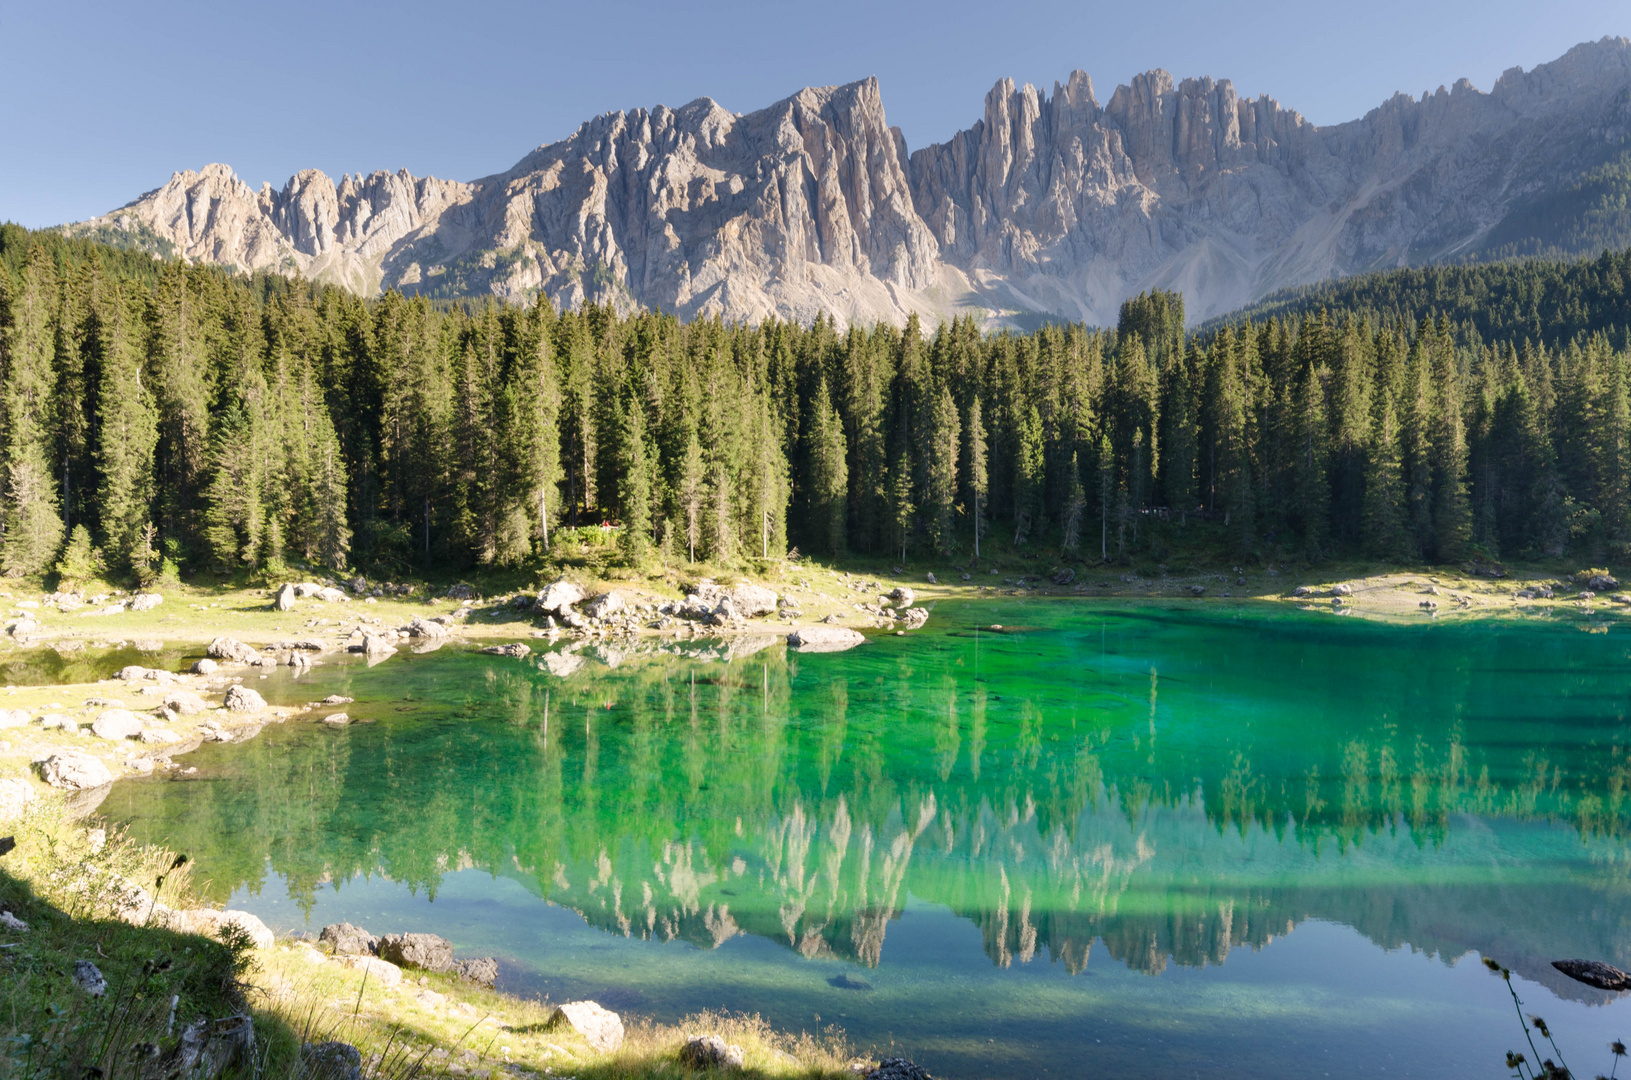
(165, 419)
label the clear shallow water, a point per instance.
(1146, 840)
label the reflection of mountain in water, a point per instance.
(685, 799)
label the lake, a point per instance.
(1109, 838)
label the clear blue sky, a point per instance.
(100, 102)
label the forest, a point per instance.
(158, 419)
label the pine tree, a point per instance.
(1028, 478)
(692, 495)
(634, 488)
(1385, 535)
(902, 511)
(940, 468)
(1074, 508)
(979, 472)
(127, 431)
(32, 521)
(828, 510)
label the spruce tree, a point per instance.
(634, 488)
(940, 469)
(32, 521)
(979, 472)
(127, 433)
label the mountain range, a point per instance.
(1050, 206)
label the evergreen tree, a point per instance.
(978, 472)
(828, 510)
(32, 522)
(634, 490)
(940, 468)
(127, 434)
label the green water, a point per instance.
(1144, 841)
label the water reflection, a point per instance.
(1171, 787)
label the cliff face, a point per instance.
(1050, 203)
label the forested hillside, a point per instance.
(190, 420)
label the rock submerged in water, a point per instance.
(820, 639)
(600, 1028)
(515, 649)
(898, 1069)
(425, 951)
(1595, 973)
(710, 1052)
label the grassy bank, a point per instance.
(71, 886)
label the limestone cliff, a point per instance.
(1050, 205)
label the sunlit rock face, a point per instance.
(1050, 204)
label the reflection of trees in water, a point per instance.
(704, 800)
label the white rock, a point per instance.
(10, 718)
(558, 597)
(74, 770)
(600, 1028)
(243, 699)
(117, 724)
(377, 970)
(819, 639)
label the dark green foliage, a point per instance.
(239, 423)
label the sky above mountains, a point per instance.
(100, 102)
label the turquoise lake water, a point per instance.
(1106, 840)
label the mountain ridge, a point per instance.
(1048, 205)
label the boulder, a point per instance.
(243, 699)
(914, 618)
(1303, 590)
(332, 1060)
(518, 650)
(1197, 590)
(1063, 577)
(16, 796)
(557, 598)
(213, 923)
(377, 644)
(710, 1052)
(426, 628)
(205, 667)
(74, 770)
(461, 591)
(338, 719)
(820, 639)
(381, 971)
(482, 970)
(145, 601)
(330, 594)
(89, 979)
(752, 601)
(604, 605)
(12, 922)
(901, 596)
(600, 1028)
(159, 736)
(898, 1069)
(1595, 973)
(117, 724)
(1342, 590)
(10, 718)
(132, 673)
(225, 648)
(425, 951)
(725, 613)
(184, 703)
(23, 627)
(347, 940)
(285, 598)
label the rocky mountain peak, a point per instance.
(1049, 203)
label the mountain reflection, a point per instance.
(1164, 791)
